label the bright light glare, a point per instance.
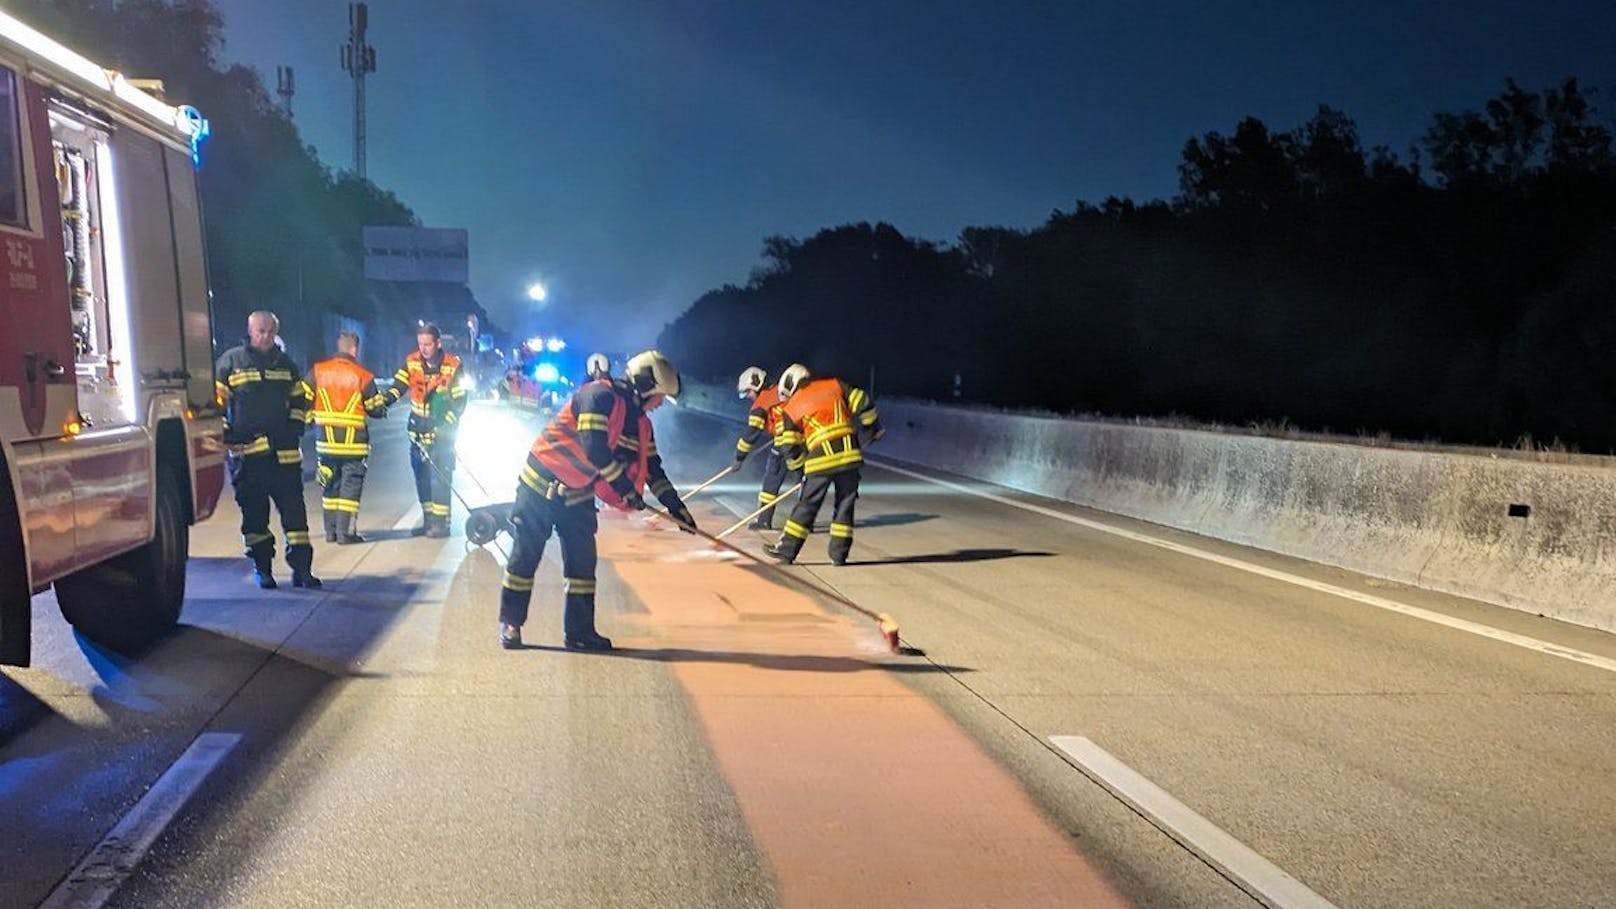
(555, 345)
(122, 326)
(537, 292)
(547, 373)
(468, 381)
(534, 345)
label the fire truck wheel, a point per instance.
(128, 602)
(15, 597)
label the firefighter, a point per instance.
(599, 445)
(762, 423)
(343, 394)
(820, 424)
(265, 406)
(431, 377)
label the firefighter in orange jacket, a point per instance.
(821, 421)
(343, 394)
(431, 377)
(762, 425)
(598, 445)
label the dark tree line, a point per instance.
(283, 229)
(1465, 292)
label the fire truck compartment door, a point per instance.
(112, 491)
(150, 264)
(193, 277)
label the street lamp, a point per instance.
(537, 292)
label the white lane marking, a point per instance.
(1414, 612)
(410, 518)
(112, 860)
(1264, 881)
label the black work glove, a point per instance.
(740, 457)
(634, 502)
(687, 521)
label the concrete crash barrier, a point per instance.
(1534, 536)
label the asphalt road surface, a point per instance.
(752, 743)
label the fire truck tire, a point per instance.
(126, 603)
(15, 597)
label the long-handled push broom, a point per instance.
(889, 627)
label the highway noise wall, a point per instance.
(1499, 526)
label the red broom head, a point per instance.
(889, 630)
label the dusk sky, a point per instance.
(635, 154)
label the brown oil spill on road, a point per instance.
(860, 791)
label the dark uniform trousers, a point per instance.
(258, 479)
(342, 479)
(801, 522)
(432, 486)
(533, 518)
(775, 474)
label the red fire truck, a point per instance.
(111, 444)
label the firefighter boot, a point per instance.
(437, 527)
(302, 561)
(785, 549)
(263, 571)
(346, 534)
(578, 621)
(333, 522)
(510, 636)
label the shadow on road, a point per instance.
(773, 661)
(943, 558)
(893, 520)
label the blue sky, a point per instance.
(635, 154)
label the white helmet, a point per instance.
(792, 379)
(597, 366)
(752, 381)
(652, 374)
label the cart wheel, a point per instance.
(481, 528)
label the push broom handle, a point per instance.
(761, 509)
(889, 628)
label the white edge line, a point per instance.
(114, 859)
(409, 518)
(1261, 879)
(1415, 612)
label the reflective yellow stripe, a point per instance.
(578, 585)
(243, 376)
(349, 505)
(612, 471)
(434, 509)
(517, 583)
(342, 449)
(793, 529)
(824, 462)
(767, 498)
(289, 456)
(755, 421)
(841, 530)
(868, 417)
(338, 418)
(855, 400)
(593, 421)
(743, 446)
(828, 434)
(253, 539)
(297, 538)
(661, 486)
(259, 445)
(788, 438)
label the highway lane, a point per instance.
(753, 746)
